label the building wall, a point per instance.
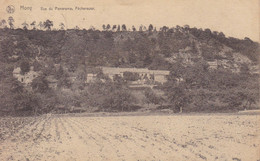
(158, 75)
(160, 78)
(91, 77)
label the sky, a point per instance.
(235, 18)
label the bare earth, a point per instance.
(173, 138)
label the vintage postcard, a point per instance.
(129, 80)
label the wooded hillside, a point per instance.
(231, 83)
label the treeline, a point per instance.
(188, 89)
(170, 40)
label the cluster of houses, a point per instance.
(144, 74)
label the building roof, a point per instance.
(114, 70)
(17, 70)
(160, 72)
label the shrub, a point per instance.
(119, 100)
(152, 97)
(109, 96)
(25, 67)
(129, 76)
(40, 84)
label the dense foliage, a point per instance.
(202, 89)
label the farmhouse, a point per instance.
(144, 74)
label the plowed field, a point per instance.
(173, 138)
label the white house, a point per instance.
(27, 78)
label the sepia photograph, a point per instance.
(129, 80)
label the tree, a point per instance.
(164, 29)
(64, 82)
(3, 23)
(92, 28)
(194, 49)
(11, 96)
(63, 78)
(133, 28)
(123, 27)
(109, 96)
(114, 28)
(118, 28)
(41, 25)
(40, 84)
(141, 28)
(177, 94)
(59, 73)
(62, 26)
(166, 50)
(25, 26)
(221, 35)
(178, 28)
(108, 27)
(186, 27)
(208, 52)
(118, 98)
(25, 67)
(215, 33)
(197, 76)
(33, 25)
(244, 69)
(150, 28)
(206, 35)
(129, 76)
(10, 22)
(152, 97)
(104, 27)
(48, 24)
(177, 72)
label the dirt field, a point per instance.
(174, 138)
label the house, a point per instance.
(213, 64)
(160, 75)
(26, 78)
(91, 77)
(144, 74)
